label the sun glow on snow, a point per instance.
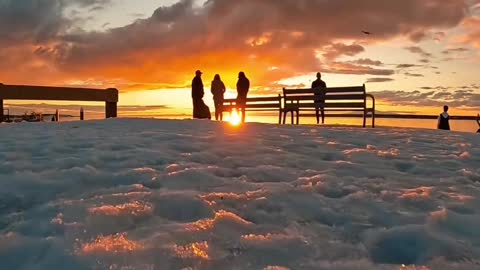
(235, 118)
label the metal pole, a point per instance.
(81, 114)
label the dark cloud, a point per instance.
(404, 66)
(366, 62)
(467, 97)
(419, 51)
(24, 21)
(379, 80)
(455, 50)
(336, 50)
(413, 74)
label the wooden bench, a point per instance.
(258, 104)
(348, 99)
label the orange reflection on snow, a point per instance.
(417, 193)
(458, 197)
(212, 198)
(194, 250)
(134, 208)
(265, 237)
(413, 267)
(438, 215)
(111, 244)
(207, 224)
(276, 268)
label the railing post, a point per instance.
(110, 109)
(81, 114)
(111, 103)
(1, 111)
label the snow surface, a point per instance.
(159, 194)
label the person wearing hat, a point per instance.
(200, 109)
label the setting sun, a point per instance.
(235, 118)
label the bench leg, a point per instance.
(292, 116)
(284, 117)
(280, 117)
(298, 117)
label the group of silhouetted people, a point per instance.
(218, 89)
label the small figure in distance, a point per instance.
(243, 86)
(200, 109)
(321, 86)
(218, 90)
(478, 122)
(444, 119)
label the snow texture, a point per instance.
(160, 194)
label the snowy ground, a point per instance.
(150, 194)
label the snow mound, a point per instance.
(158, 194)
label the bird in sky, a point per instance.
(366, 32)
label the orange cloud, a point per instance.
(268, 39)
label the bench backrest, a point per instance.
(256, 103)
(334, 97)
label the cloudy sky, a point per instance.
(421, 54)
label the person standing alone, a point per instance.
(320, 87)
(218, 90)
(444, 119)
(200, 109)
(243, 86)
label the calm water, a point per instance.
(456, 125)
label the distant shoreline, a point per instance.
(397, 116)
(309, 114)
(44, 115)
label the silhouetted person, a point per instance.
(200, 109)
(320, 87)
(444, 119)
(243, 86)
(218, 89)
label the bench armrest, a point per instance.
(373, 100)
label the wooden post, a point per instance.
(110, 109)
(81, 114)
(57, 116)
(1, 111)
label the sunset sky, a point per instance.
(422, 53)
